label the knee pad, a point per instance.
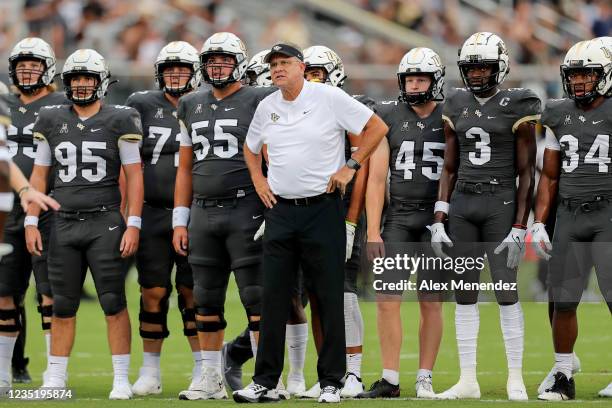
(566, 306)
(251, 299)
(207, 326)
(208, 298)
(10, 314)
(45, 311)
(188, 316)
(65, 307)
(112, 303)
(160, 318)
(353, 322)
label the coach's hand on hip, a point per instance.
(263, 190)
(340, 180)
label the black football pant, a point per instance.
(312, 235)
(480, 217)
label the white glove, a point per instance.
(260, 231)
(539, 236)
(5, 249)
(350, 239)
(515, 242)
(439, 237)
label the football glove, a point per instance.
(540, 240)
(260, 231)
(350, 239)
(515, 243)
(439, 237)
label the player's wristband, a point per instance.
(30, 220)
(180, 217)
(352, 224)
(441, 206)
(134, 221)
(6, 201)
(519, 226)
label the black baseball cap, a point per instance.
(284, 49)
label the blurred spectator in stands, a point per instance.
(43, 20)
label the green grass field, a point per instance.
(90, 371)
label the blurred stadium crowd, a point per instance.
(130, 34)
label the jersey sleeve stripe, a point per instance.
(131, 137)
(524, 119)
(39, 136)
(449, 121)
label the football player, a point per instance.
(177, 72)
(82, 147)
(238, 351)
(490, 140)
(31, 71)
(216, 210)
(578, 126)
(258, 71)
(324, 65)
(413, 153)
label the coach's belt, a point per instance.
(308, 200)
(412, 205)
(597, 203)
(479, 188)
(82, 215)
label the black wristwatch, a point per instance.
(353, 164)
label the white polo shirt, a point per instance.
(305, 137)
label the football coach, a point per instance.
(303, 125)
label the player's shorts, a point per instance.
(156, 256)
(86, 240)
(405, 232)
(582, 239)
(221, 232)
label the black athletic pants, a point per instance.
(311, 234)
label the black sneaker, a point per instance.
(381, 389)
(562, 390)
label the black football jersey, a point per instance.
(85, 154)
(370, 103)
(160, 145)
(20, 141)
(416, 151)
(584, 138)
(218, 130)
(485, 133)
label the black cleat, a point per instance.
(562, 390)
(21, 376)
(381, 389)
